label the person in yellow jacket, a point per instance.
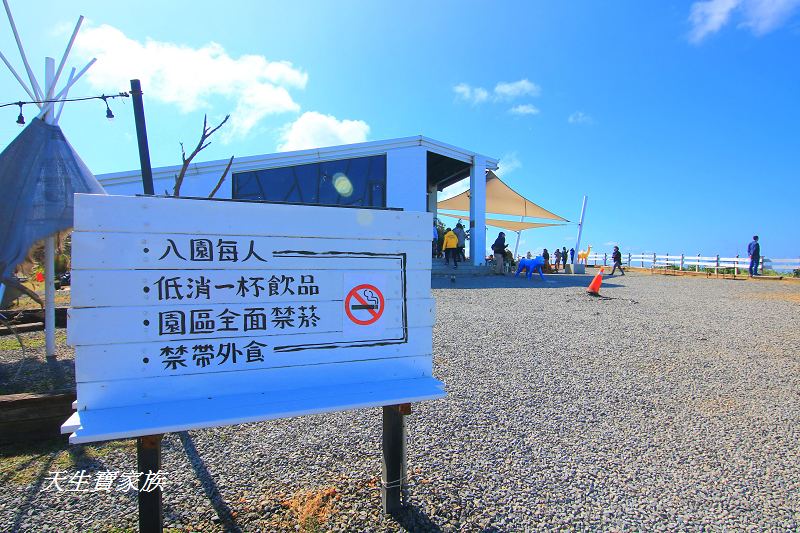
(450, 247)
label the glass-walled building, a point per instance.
(401, 173)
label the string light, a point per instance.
(103, 97)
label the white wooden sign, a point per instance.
(193, 313)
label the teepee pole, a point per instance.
(14, 72)
(49, 244)
(34, 85)
(61, 103)
(50, 107)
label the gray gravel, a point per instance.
(673, 405)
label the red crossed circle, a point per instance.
(354, 294)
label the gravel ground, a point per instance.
(672, 404)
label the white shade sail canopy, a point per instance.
(502, 200)
(510, 225)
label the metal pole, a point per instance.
(580, 228)
(394, 458)
(141, 137)
(50, 297)
(516, 246)
(49, 249)
(148, 459)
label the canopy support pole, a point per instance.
(580, 227)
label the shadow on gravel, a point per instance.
(209, 485)
(411, 518)
(510, 282)
(35, 375)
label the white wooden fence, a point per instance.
(694, 262)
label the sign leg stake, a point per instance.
(393, 471)
(148, 459)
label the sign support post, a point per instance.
(148, 459)
(394, 457)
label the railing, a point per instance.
(695, 262)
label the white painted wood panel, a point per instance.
(138, 420)
(192, 313)
(114, 325)
(102, 288)
(104, 250)
(180, 215)
(273, 381)
(107, 362)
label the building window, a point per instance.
(358, 182)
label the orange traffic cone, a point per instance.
(594, 286)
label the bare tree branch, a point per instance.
(201, 145)
(219, 183)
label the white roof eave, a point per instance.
(299, 157)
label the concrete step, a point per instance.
(439, 269)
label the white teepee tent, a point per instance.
(39, 173)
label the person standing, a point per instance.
(462, 242)
(572, 256)
(499, 249)
(556, 259)
(616, 257)
(435, 240)
(564, 257)
(754, 251)
(450, 247)
(546, 257)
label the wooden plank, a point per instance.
(142, 360)
(98, 288)
(104, 250)
(273, 382)
(113, 325)
(138, 420)
(152, 214)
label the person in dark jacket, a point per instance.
(564, 257)
(462, 242)
(556, 259)
(754, 251)
(499, 249)
(616, 257)
(546, 256)
(572, 256)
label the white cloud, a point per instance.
(189, 77)
(514, 89)
(763, 16)
(579, 117)
(524, 109)
(508, 164)
(760, 16)
(313, 130)
(709, 16)
(473, 95)
(503, 91)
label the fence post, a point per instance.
(654, 261)
(629, 259)
(736, 266)
(641, 256)
(761, 261)
(605, 258)
(682, 261)
(666, 262)
(697, 265)
(716, 267)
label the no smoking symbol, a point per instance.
(364, 304)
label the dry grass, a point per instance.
(307, 510)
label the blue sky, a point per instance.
(679, 120)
